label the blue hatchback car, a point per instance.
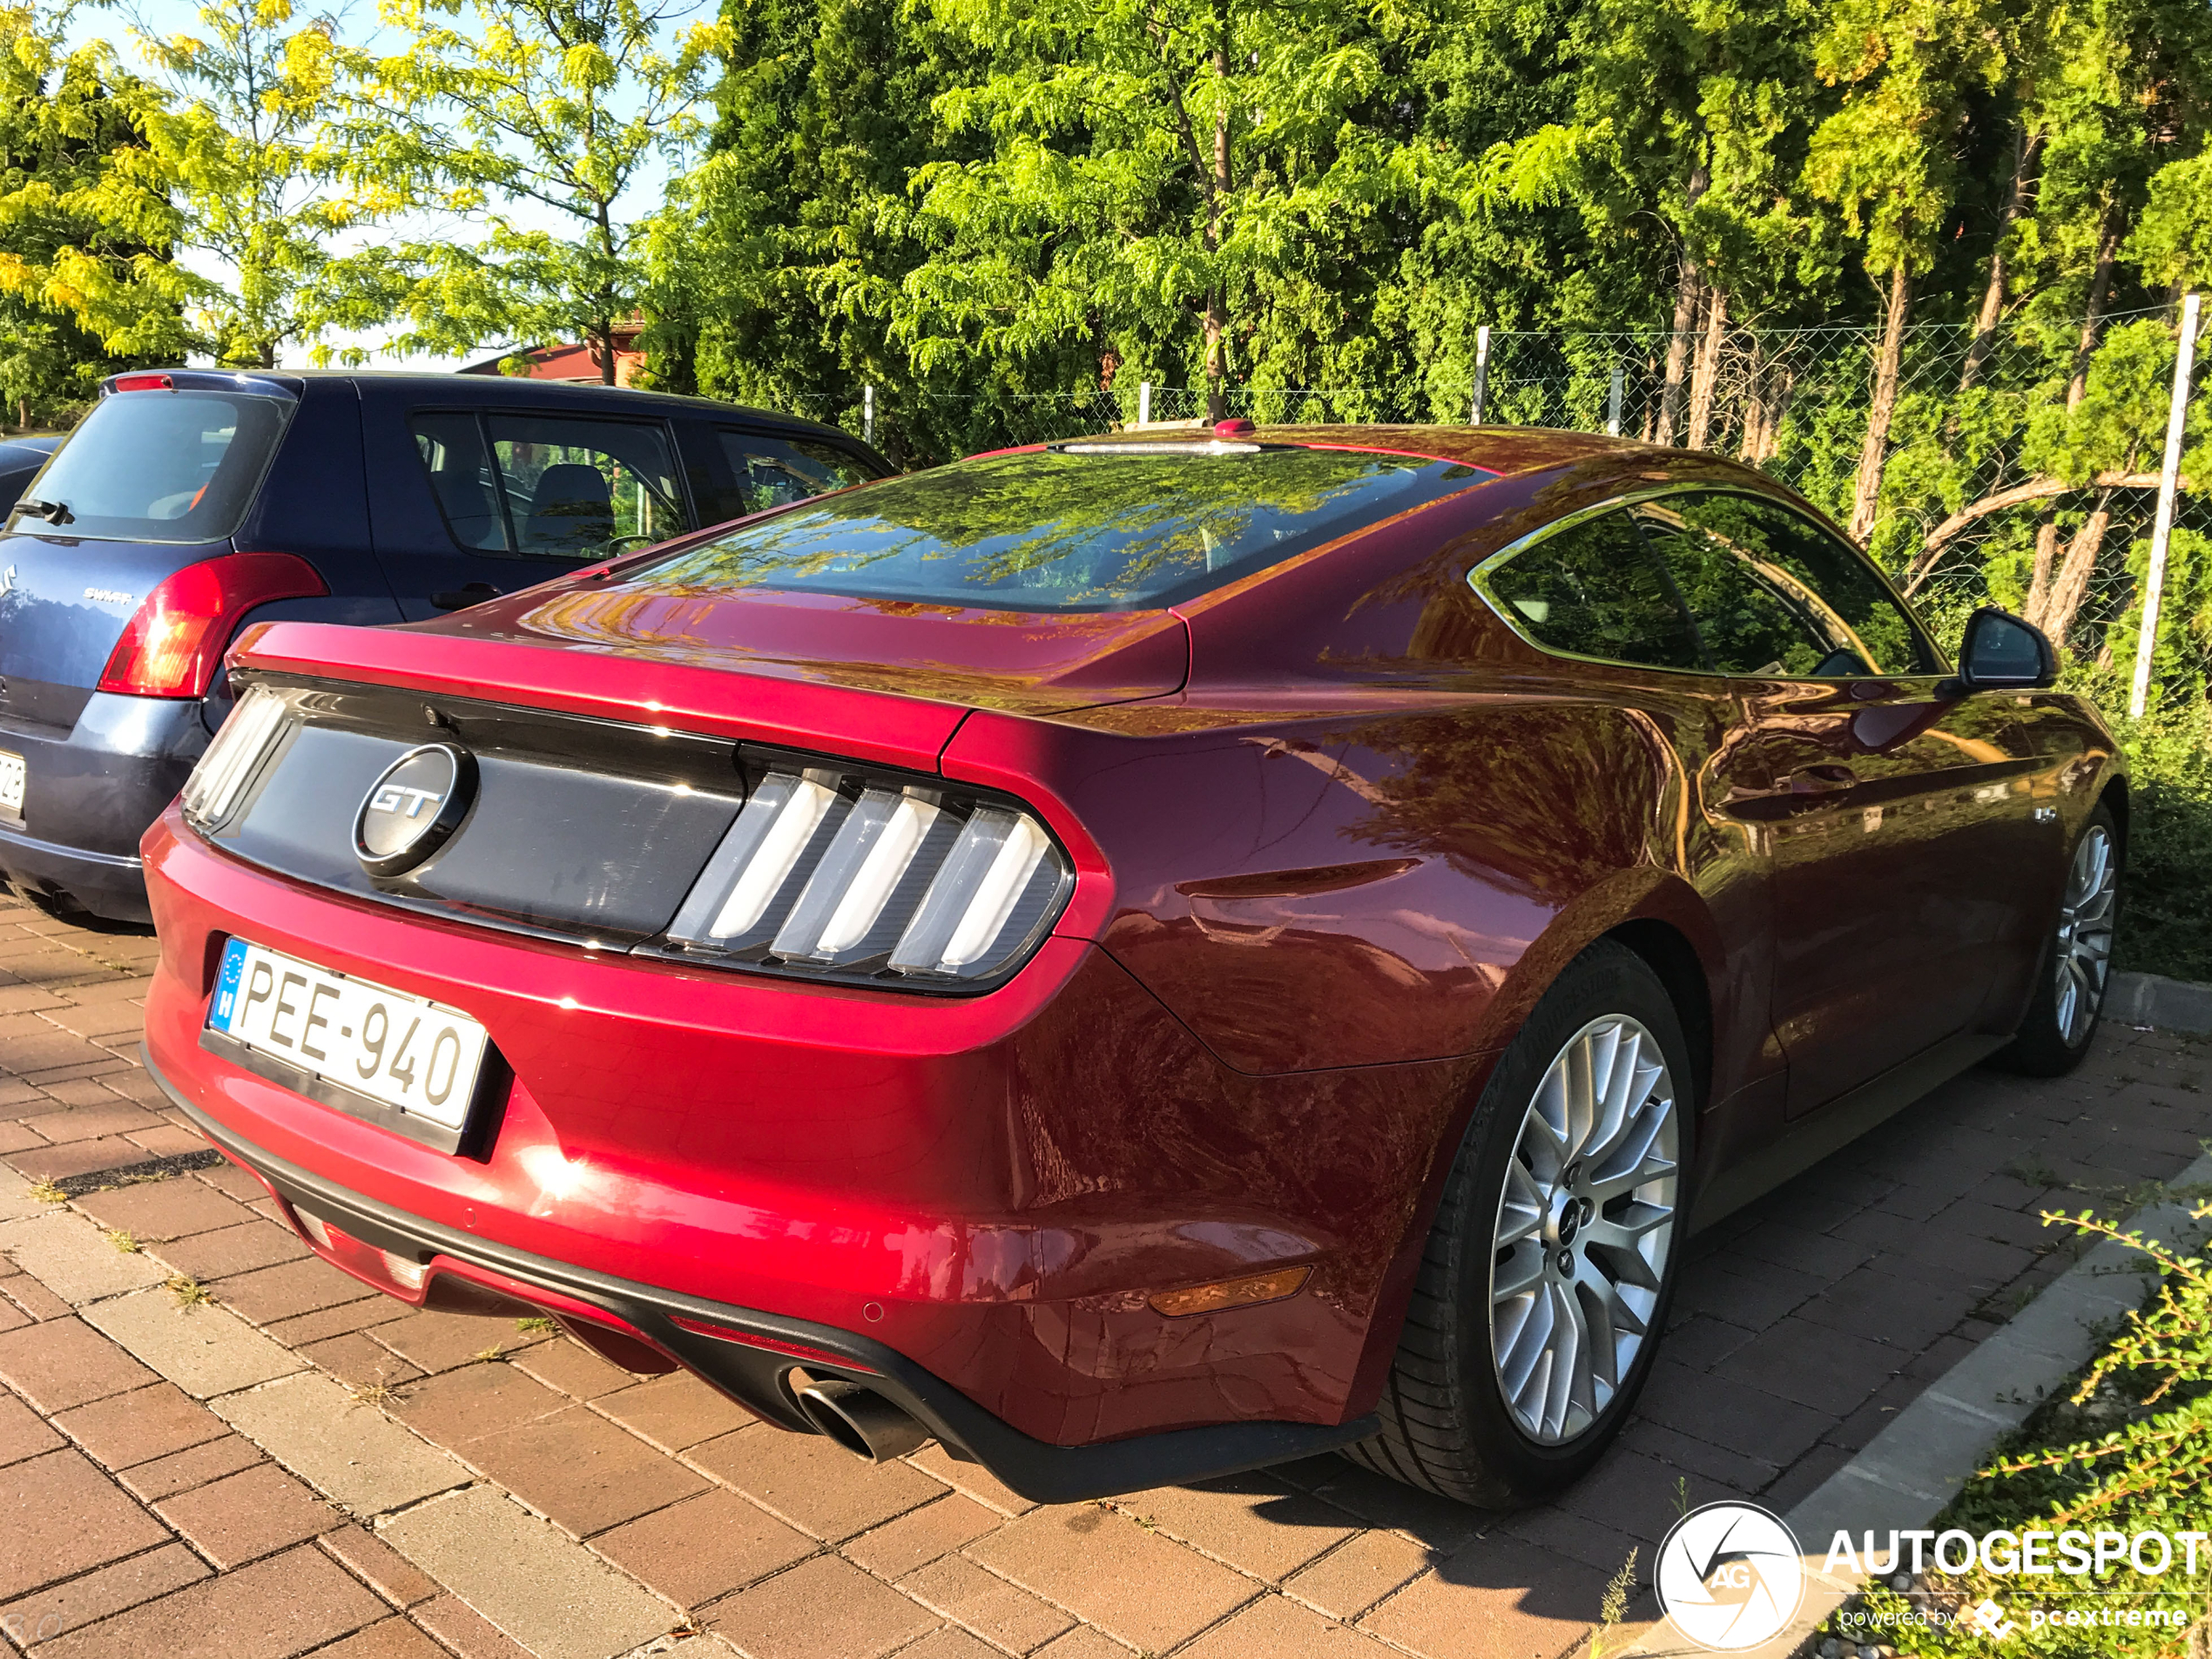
(191, 502)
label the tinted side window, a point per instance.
(1596, 590)
(452, 448)
(1774, 594)
(774, 472)
(551, 486)
(583, 490)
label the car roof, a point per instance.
(1503, 450)
(518, 390)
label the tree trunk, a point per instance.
(1889, 358)
(2043, 489)
(602, 347)
(2039, 580)
(1690, 292)
(2092, 313)
(1708, 367)
(1755, 400)
(2046, 529)
(2072, 583)
(2025, 146)
(1216, 304)
(1773, 404)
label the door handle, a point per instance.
(469, 593)
(1821, 780)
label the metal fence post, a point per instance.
(1481, 373)
(1144, 403)
(1612, 401)
(867, 414)
(2162, 527)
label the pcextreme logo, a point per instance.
(1730, 1576)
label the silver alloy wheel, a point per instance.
(2084, 945)
(1585, 1227)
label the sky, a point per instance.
(358, 25)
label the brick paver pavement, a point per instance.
(295, 1466)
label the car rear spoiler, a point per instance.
(723, 701)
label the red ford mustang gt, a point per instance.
(1136, 958)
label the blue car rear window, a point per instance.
(1095, 526)
(156, 466)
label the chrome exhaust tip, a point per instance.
(862, 1420)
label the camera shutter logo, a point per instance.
(1730, 1576)
(413, 808)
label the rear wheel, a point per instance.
(1547, 1273)
(2070, 980)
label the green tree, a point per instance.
(777, 266)
(541, 109)
(1692, 115)
(1888, 158)
(1151, 168)
(87, 286)
(245, 145)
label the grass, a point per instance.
(188, 1291)
(536, 1325)
(47, 1192)
(1612, 1605)
(121, 1238)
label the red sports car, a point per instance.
(1135, 958)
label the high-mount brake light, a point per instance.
(144, 383)
(872, 877)
(173, 644)
(227, 766)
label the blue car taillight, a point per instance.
(870, 876)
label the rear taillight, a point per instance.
(230, 761)
(144, 383)
(873, 876)
(171, 646)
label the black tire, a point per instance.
(2045, 1046)
(1446, 1425)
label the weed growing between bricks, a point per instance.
(2127, 1450)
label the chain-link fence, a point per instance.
(1970, 416)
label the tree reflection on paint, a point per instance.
(1056, 532)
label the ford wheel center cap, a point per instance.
(414, 807)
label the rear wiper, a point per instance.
(54, 512)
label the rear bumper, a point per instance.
(753, 1360)
(992, 1187)
(106, 884)
(89, 794)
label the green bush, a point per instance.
(2165, 905)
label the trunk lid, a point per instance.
(62, 606)
(1021, 662)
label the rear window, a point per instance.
(1097, 527)
(157, 467)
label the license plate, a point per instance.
(405, 1053)
(13, 774)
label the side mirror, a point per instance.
(2000, 652)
